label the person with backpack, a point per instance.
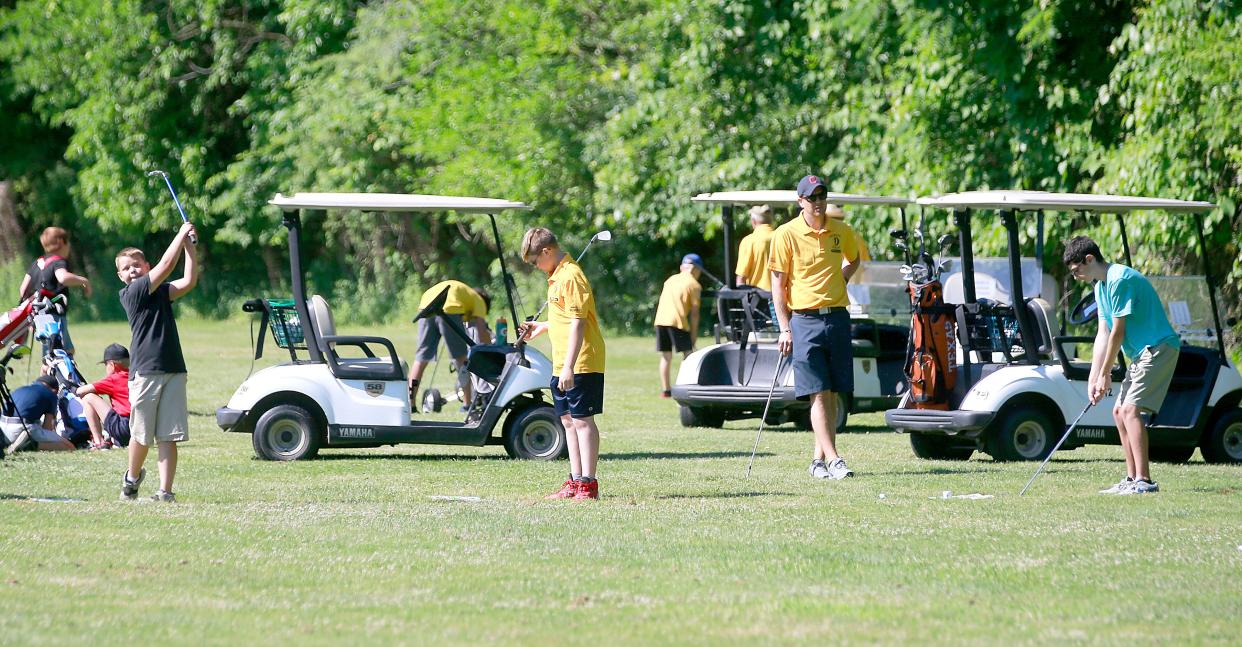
(49, 276)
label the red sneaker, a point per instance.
(588, 490)
(568, 491)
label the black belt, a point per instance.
(822, 311)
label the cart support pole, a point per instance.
(293, 222)
(1211, 285)
(1020, 311)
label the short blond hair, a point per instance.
(53, 238)
(130, 252)
(537, 239)
(834, 211)
(761, 213)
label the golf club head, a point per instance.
(604, 236)
(19, 351)
(897, 234)
(944, 266)
(900, 244)
(156, 172)
(944, 240)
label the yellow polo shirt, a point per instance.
(752, 258)
(680, 297)
(462, 300)
(569, 298)
(812, 259)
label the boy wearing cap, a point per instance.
(464, 305)
(677, 316)
(577, 358)
(752, 252)
(1131, 319)
(113, 419)
(809, 296)
(36, 405)
(157, 379)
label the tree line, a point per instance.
(600, 114)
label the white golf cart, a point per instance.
(350, 391)
(1020, 380)
(731, 379)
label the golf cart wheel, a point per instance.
(1170, 454)
(1022, 434)
(535, 434)
(697, 417)
(1223, 443)
(286, 432)
(939, 448)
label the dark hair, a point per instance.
(486, 296)
(1077, 249)
(49, 381)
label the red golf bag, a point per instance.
(932, 365)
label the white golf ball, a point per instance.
(883, 496)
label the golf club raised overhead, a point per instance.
(193, 237)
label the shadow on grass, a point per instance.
(638, 456)
(722, 495)
(41, 499)
(409, 457)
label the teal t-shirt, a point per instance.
(1126, 293)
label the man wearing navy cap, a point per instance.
(677, 316)
(812, 258)
(35, 404)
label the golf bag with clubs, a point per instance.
(71, 418)
(931, 366)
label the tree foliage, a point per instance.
(599, 114)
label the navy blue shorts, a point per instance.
(823, 356)
(669, 339)
(117, 427)
(586, 399)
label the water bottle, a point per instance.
(502, 331)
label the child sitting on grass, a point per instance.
(109, 423)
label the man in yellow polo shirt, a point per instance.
(464, 305)
(752, 252)
(577, 358)
(808, 291)
(677, 316)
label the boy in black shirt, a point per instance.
(157, 373)
(49, 275)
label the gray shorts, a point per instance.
(823, 354)
(12, 427)
(1147, 381)
(158, 410)
(431, 329)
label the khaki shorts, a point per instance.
(1147, 380)
(158, 409)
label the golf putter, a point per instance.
(764, 418)
(1055, 448)
(193, 237)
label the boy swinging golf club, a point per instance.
(812, 258)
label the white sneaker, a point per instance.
(838, 470)
(819, 470)
(1141, 487)
(1117, 488)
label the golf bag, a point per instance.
(931, 367)
(15, 323)
(71, 415)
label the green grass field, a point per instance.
(352, 548)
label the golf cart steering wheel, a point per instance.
(1085, 311)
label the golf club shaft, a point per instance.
(775, 378)
(193, 237)
(1055, 448)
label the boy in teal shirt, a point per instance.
(1131, 319)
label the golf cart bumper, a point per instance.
(228, 419)
(931, 421)
(737, 397)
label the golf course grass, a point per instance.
(355, 547)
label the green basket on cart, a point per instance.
(285, 323)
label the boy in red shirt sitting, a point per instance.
(109, 424)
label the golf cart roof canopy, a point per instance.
(1041, 200)
(392, 202)
(791, 197)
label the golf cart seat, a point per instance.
(1043, 316)
(368, 367)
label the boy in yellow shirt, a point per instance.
(677, 316)
(577, 358)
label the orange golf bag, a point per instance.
(931, 367)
